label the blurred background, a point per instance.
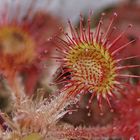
(70, 9)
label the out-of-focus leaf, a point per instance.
(33, 136)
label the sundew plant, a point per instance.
(87, 71)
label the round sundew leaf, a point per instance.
(33, 136)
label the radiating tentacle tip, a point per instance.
(100, 107)
(69, 21)
(101, 113)
(138, 100)
(66, 34)
(130, 26)
(115, 14)
(70, 112)
(111, 110)
(89, 101)
(90, 12)
(87, 107)
(61, 29)
(101, 21)
(50, 84)
(55, 35)
(89, 20)
(88, 114)
(103, 14)
(81, 15)
(77, 106)
(84, 29)
(49, 39)
(45, 51)
(102, 33)
(114, 28)
(134, 38)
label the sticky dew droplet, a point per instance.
(89, 114)
(70, 113)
